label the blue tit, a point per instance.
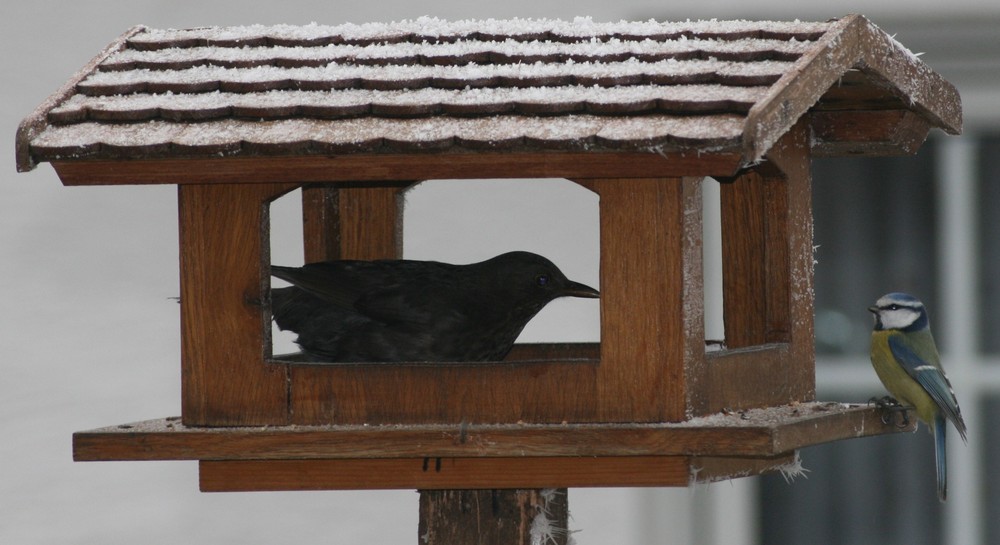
(906, 360)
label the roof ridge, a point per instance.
(428, 28)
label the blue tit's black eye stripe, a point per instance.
(897, 306)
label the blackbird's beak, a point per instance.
(576, 289)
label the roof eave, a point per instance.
(36, 122)
(853, 43)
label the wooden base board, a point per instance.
(488, 456)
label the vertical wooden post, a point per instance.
(223, 257)
(792, 156)
(755, 263)
(352, 222)
(652, 303)
(341, 223)
(768, 281)
(493, 517)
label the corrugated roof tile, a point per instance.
(433, 85)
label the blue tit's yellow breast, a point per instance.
(895, 378)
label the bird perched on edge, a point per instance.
(406, 310)
(906, 360)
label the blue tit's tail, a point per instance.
(940, 456)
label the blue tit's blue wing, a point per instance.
(930, 376)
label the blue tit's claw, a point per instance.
(905, 420)
(887, 417)
(890, 407)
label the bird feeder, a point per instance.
(639, 113)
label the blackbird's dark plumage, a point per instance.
(405, 310)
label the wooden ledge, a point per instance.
(757, 433)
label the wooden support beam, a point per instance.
(837, 133)
(479, 473)
(381, 167)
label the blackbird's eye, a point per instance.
(542, 279)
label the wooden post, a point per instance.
(224, 246)
(767, 283)
(341, 223)
(352, 222)
(493, 517)
(652, 320)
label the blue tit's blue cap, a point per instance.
(899, 298)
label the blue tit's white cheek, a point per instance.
(898, 318)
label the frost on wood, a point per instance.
(230, 136)
(432, 28)
(789, 471)
(493, 50)
(546, 530)
(353, 102)
(794, 469)
(336, 76)
(536, 516)
(763, 416)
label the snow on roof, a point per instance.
(435, 85)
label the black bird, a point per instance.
(405, 310)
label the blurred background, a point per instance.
(89, 336)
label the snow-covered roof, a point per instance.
(435, 86)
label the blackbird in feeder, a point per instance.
(405, 310)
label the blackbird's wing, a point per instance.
(397, 305)
(393, 292)
(340, 283)
(417, 294)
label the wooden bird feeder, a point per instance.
(639, 113)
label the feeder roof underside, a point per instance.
(432, 86)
